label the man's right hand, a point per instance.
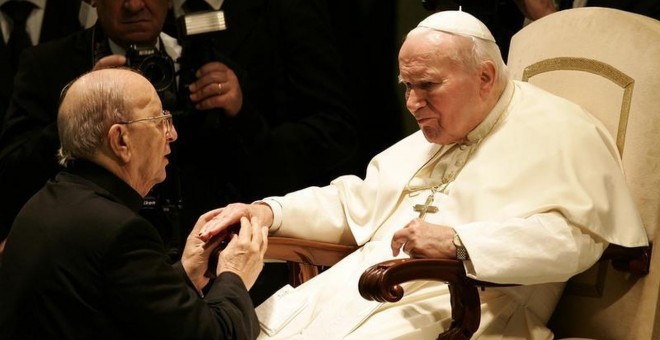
(244, 255)
(231, 215)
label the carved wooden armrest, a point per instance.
(635, 260)
(381, 282)
(306, 259)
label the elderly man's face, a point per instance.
(441, 94)
(132, 21)
(150, 135)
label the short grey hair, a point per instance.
(84, 120)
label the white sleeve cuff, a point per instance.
(276, 207)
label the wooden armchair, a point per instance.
(608, 61)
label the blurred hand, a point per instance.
(114, 60)
(244, 255)
(195, 257)
(536, 9)
(424, 240)
(231, 215)
(217, 87)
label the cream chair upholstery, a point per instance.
(608, 61)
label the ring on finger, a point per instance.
(220, 87)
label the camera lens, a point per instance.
(158, 70)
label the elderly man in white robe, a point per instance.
(526, 188)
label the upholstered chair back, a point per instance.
(608, 61)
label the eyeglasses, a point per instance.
(166, 117)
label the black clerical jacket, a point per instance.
(80, 263)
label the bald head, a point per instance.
(95, 85)
(90, 105)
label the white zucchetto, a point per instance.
(457, 22)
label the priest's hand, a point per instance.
(244, 255)
(216, 87)
(421, 239)
(230, 216)
(195, 257)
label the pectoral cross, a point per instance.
(425, 208)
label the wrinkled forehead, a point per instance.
(424, 43)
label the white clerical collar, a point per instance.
(493, 116)
(178, 4)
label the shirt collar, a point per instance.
(116, 49)
(38, 3)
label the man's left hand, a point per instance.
(217, 87)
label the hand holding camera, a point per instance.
(216, 86)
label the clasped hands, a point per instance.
(216, 87)
(417, 239)
(243, 255)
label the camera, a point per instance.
(156, 66)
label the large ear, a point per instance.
(119, 142)
(487, 78)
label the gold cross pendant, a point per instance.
(425, 208)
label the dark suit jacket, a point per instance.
(60, 19)
(80, 263)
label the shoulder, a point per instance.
(536, 106)
(538, 116)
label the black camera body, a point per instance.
(153, 64)
(158, 68)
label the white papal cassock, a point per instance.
(535, 195)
